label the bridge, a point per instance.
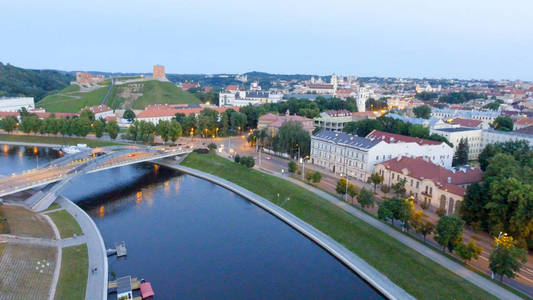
(58, 173)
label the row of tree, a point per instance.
(78, 126)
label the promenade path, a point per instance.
(97, 282)
(442, 260)
(358, 265)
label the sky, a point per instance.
(467, 39)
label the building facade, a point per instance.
(14, 104)
(244, 98)
(473, 136)
(428, 183)
(356, 156)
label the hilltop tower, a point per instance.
(159, 73)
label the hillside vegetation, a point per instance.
(16, 81)
(71, 99)
(140, 94)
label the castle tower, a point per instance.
(334, 81)
(159, 73)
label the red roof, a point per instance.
(40, 115)
(466, 122)
(4, 114)
(390, 138)
(165, 110)
(98, 108)
(232, 88)
(447, 179)
(146, 290)
(524, 121)
(525, 130)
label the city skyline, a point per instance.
(474, 40)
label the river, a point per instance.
(193, 239)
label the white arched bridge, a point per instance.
(58, 173)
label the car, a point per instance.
(131, 155)
(268, 158)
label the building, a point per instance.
(272, 123)
(429, 123)
(429, 183)
(437, 152)
(473, 136)
(335, 120)
(14, 104)
(100, 111)
(466, 123)
(491, 136)
(244, 98)
(159, 112)
(88, 78)
(487, 117)
(159, 73)
(356, 156)
(522, 123)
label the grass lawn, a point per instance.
(66, 101)
(157, 92)
(55, 140)
(25, 222)
(407, 268)
(66, 224)
(73, 277)
(53, 206)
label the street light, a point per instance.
(497, 244)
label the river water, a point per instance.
(193, 239)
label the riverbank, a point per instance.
(408, 269)
(51, 141)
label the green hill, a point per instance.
(70, 99)
(140, 94)
(16, 81)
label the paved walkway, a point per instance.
(358, 265)
(442, 260)
(97, 282)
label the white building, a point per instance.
(333, 120)
(16, 103)
(244, 98)
(472, 135)
(356, 156)
(101, 111)
(490, 136)
(486, 117)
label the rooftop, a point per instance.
(458, 129)
(390, 138)
(346, 139)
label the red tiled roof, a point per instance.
(98, 108)
(466, 122)
(165, 110)
(390, 138)
(524, 121)
(320, 86)
(40, 115)
(268, 117)
(420, 169)
(4, 114)
(232, 87)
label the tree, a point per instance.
(449, 232)
(352, 191)
(461, 154)
(468, 251)
(365, 198)
(399, 187)
(375, 179)
(503, 123)
(292, 138)
(174, 130)
(163, 130)
(506, 259)
(129, 115)
(87, 114)
(179, 117)
(50, 125)
(425, 229)
(385, 210)
(99, 128)
(8, 123)
(417, 130)
(341, 186)
(293, 167)
(317, 176)
(423, 111)
(112, 129)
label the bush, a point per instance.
(441, 212)
(299, 172)
(385, 188)
(212, 146)
(201, 150)
(237, 158)
(317, 176)
(247, 161)
(292, 166)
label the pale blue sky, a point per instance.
(440, 39)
